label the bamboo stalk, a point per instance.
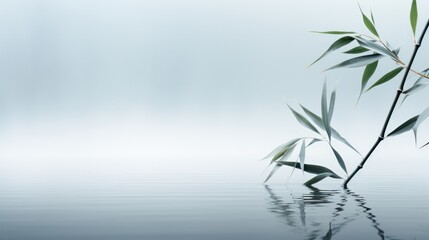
(392, 108)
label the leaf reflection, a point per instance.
(321, 214)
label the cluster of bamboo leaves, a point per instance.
(367, 51)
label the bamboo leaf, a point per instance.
(371, 45)
(331, 106)
(340, 138)
(317, 179)
(276, 167)
(325, 113)
(302, 155)
(358, 61)
(336, 45)
(314, 117)
(406, 126)
(415, 88)
(287, 153)
(387, 77)
(422, 117)
(318, 121)
(372, 18)
(413, 17)
(315, 140)
(310, 168)
(367, 74)
(418, 85)
(368, 24)
(339, 159)
(303, 121)
(281, 148)
(357, 50)
(334, 32)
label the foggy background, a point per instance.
(188, 89)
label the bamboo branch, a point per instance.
(392, 108)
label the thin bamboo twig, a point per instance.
(392, 108)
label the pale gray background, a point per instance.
(96, 88)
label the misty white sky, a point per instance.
(93, 79)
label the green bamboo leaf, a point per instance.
(315, 140)
(406, 126)
(302, 120)
(369, 24)
(422, 117)
(281, 148)
(302, 154)
(413, 17)
(424, 145)
(336, 45)
(358, 61)
(318, 121)
(372, 18)
(374, 46)
(334, 32)
(325, 113)
(287, 153)
(331, 106)
(276, 167)
(357, 50)
(367, 74)
(310, 168)
(419, 84)
(340, 138)
(415, 88)
(340, 160)
(387, 77)
(317, 179)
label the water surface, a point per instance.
(216, 208)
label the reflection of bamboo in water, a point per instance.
(287, 210)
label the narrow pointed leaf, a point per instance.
(281, 148)
(302, 155)
(413, 17)
(415, 88)
(387, 77)
(287, 153)
(302, 120)
(418, 85)
(325, 113)
(315, 140)
(332, 106)
(340, 138)
(369, 24)
(357, 50)
(317, 179)
(372, 18)
(311, 168)
(339, 159)
(276, 167)
(406, 126)
(367, 74)
(318, 121)
(376, 48)
(358, 61)
(334, 32)
(422, 117)
(336, 45)
(314, 117)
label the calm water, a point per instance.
(219, 208)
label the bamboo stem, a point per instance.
(392, 108)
